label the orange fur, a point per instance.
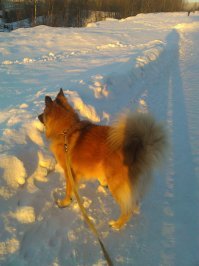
(120, 156)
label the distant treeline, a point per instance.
(77, 12)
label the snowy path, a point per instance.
(186, 147)
(171, 236)
(180, 218)
(148, 62)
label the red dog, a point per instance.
(122, 155)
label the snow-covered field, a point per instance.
(148, 62)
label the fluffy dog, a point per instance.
(121, 156)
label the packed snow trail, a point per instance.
(149, 62)
(180, 220)
(185, 141)
(181, 210)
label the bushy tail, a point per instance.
(142, 140)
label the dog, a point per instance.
(121, 156)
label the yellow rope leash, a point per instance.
(83, 210)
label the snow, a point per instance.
(148, 62)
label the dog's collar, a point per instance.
(67, 133)
(76, 127)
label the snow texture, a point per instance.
(149, 62)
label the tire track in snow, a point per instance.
(168, 226)
(189, 53)
(159, 100)
(180, 210)
(192, 95)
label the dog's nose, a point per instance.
(41, 119)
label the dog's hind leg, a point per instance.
(122, 193)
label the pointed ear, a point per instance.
(61, 93)
(48, 101)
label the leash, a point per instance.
(83, 210)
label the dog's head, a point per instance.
(57, 114)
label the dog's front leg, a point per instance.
(62, 203)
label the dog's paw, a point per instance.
(63, 203)
(103, 181)
(137, 210)
(116, 225)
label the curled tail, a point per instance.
(142, 140)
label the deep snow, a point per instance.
(148, 62)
